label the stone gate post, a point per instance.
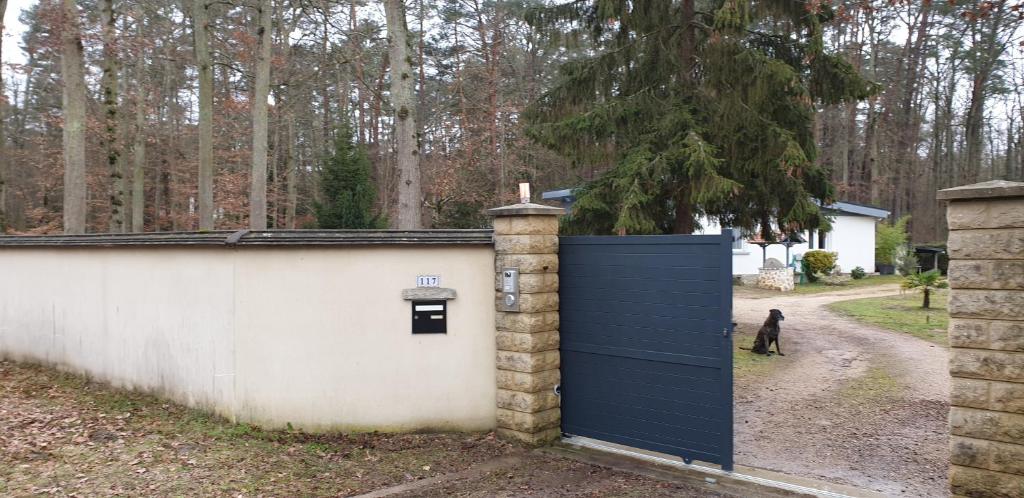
(986, 337)
(526, 239)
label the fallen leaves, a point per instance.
(67, 436)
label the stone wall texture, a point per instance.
(779, 279)
(986, 336)
(528, 359)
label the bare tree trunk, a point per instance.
(258, 190)
(291, 174)
(403, 100)
(872, 172)
(973, 124)
(984, 68)
(111, 138)
(360, 81)
(139, 164)
(138, 210)
(325, 92)
(3, 137)
(74, 96)
(200, 31)
(139, 159)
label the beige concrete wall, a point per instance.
(986, 336)
(316, 337)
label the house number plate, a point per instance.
(428, 281)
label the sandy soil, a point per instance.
(848, 403)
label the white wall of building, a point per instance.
(852, 237)
(316, 337)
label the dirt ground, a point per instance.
(848, 403)
(64, 436)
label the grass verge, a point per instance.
(818, 287)
(869, 281)
(901, 313)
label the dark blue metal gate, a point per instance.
(646, 346)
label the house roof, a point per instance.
(564, 195)
(568, 196)
(858, 209)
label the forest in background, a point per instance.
(949, 108)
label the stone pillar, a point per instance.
(526, 238)
(986, 337)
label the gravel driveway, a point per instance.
(849, 403)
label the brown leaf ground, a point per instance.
(63, 435)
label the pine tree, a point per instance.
(346, 190)
(703, 108)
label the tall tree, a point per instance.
(201, 36)
(291, 172)
(139, 146)
(703, 114)
(261, 90)
(403, 99)
(111, 138)
(993, 26)
(3, 125)
(74, 102)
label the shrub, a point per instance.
(889, 239)
(908, 264)
(820, 262)
(858, 273)
(805, 269)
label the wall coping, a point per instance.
(984, 190)
(246, 238)
(526, 209)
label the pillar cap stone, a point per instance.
(528, 209)
(985, 190)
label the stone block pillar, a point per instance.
(526, 238)
(986, 337)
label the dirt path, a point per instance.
(849, 403)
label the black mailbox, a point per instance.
(430, 317)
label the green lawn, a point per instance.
(901, 313)
(751, 290)
(868, 281)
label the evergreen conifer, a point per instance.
(701, 108)
(346, 190)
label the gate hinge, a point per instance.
(725, 332)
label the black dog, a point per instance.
(768, 334)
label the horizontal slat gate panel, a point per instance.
(641, 261)
(691, 345)
(648, 296)
(644, 358)
(655, 282)
(648, 312)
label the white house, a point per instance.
(852, 237)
